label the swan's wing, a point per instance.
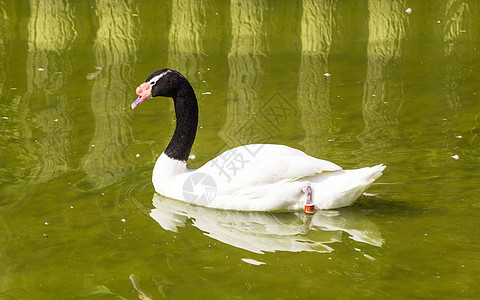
(263, 164)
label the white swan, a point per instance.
(257, 177)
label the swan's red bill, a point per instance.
(144, 92)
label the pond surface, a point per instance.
(354, 82)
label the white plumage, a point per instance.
(263, 177)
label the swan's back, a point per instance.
(262, 164)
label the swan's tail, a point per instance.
(342, 188)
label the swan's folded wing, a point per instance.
(260, 164)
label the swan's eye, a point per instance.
(152, 82)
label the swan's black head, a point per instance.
(164, 82)
(170, 83)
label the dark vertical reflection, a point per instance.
(457, 38)
(38, 131)
(13, 157)
(51, 32)
(460, 39)
(6, 36)
(107, 160)
(314, 79)
(186, 36)
(246, 61)
(12, 162)
(383, 94)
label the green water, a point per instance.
(355, 82)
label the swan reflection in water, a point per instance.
(261, 232)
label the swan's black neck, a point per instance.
(186, 112)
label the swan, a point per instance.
(256, 177)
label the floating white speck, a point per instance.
(253, 261)
(373, 95)
(327, 74)
(206, 93)
(137, 156)
(71, 206)
(192, 156)
(93, 145)
(462, 30)
(455, 156)
(439, 21)
(14, 89)
(41, 69)
(369, 257)
(103, 194)
(123, 220)
(459, 137)
(5, 118)
(408, 10)
(56, 120)
(46, 223)
(332, 140)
